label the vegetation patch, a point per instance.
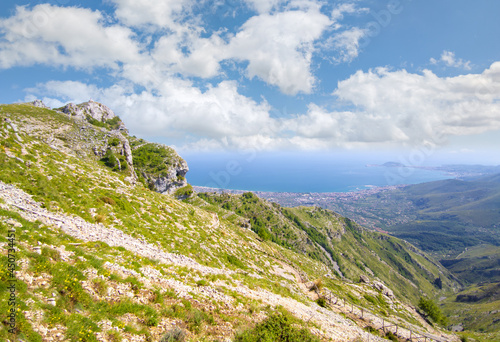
(278, 327)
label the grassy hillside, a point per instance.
(348, 249)
(99, 257)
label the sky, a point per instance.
(301, 75)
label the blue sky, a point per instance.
(300, 75)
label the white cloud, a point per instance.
(163, 13)
(425, 107)
(201, 59)
(263, 6)
(178, 110)
(279, 48)
(448, 58)
(346, 43)
(64, 36)
(390, 108)
(345, 8)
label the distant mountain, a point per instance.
(451, 214)
(393, 164)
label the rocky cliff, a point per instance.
(159, 166)
(102, 133)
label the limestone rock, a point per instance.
(173, 180)
(364, 279)
(40, 104)
(95, 110)
(382, 288)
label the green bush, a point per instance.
(389, 335)
(185, 191)
(371, 330)
(279, 327)
(114, 162)
(432, 310)
(114, 141)
(114, 123)
(321, 302)
(235, 261)
(95, 122)
(107, 200)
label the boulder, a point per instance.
(364, 279)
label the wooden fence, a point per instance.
(405, 333)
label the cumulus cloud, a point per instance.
(159, 39)
(424, 106)
(177, 110)
(448, 58)
(202, 57)
(279, 48)
(163, 14)
(276, 46)
(64, 36)
(387, 107)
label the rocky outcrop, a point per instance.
(171, 178)
(174, 179)
(40, 104)
(93, 109)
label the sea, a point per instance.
(301, 172)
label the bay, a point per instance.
(300, 172)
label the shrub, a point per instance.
(279, 327)
(371, 330)
(432, 310)
(114, 141)
(107, 200)
(389, 335)
(202, 282)
(317, 285)
(174, 335)
(153, 159)
(186, 191)
(114, 123)
(235, 261)
(321, 302)
(100, 218)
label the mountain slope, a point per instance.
(99, 256)
(349, 250)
